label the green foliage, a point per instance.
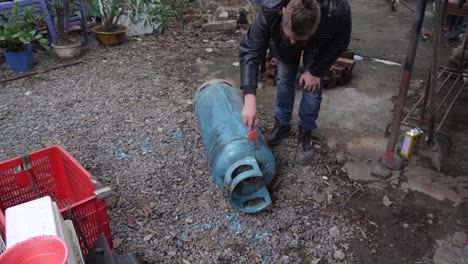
(111, 11)
(61, 10)
(17, 33)
(154, 13)
(179, 7)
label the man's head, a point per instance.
(300, 20)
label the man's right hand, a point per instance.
(249, 111)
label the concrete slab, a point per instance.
(437, 185)
(450, 250)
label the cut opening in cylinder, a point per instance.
(241, 169)
(255, 202)
(250, 195)
(247, 187)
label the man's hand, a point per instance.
(249, 111)
(309, 82)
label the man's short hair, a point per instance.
(305, 16)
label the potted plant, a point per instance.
(111, 33)
(17, 36)
(64, 47)
(147, 16)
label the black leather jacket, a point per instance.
(322, 49)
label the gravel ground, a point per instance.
(127, 115)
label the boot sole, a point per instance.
(306, 161)
(271, 144)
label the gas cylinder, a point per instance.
(241, 162)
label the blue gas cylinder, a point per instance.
(243, 167)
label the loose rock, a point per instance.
(339, 255)
(334, 231)
(386, 201)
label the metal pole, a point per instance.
(425, 98)
(406, 75)
(435, 56)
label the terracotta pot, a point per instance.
(110, 38)
(68, 51)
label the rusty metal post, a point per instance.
(406, 75)
(435, 57)
(425, 98)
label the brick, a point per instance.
(346, 62)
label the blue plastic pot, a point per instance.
(20, 61)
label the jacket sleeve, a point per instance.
(327, 55)
(252, 49)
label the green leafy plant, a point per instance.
(154, 13)
(16, 34)
(179, 7)
(111, 12)
(61, 10)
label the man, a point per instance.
(320, 29)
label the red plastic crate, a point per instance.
(58, 175)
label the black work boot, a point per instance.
(304, 151)
(278, 133)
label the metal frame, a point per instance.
(448, 77)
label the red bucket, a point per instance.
(37, 250)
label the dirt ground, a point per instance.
(137, 99)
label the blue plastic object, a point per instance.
(243, 167)
(20, 61)
(39, 9)
(78, 17)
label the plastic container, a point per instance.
(55, 173)
(37, 250)
(20, 61)
(241, 161)
(31, 219)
